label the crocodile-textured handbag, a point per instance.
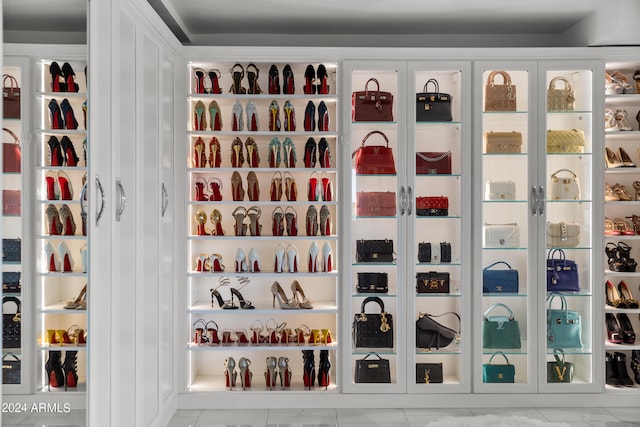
(372, 370)
(372, 105)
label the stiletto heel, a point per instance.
(230, 373)
(70, 369)
(215, 262)
(202, 263)
(225, 305)
(612, 159)
(53, 261)
(626, 295)
(198, 86)
(70, 121)
(252, 117)
(240, 227)
(309, 369)
(292, 221)
(57, 81)
(309, 122)
(270, 372)
(55, 116)
(311, 222)
(314, 188)
(237, 158)
(63, 337)
(212, 332)
(288, 86)
(614, 334)
(284, 372)
(245, 374)
(199, 118)
(289, 117)
(302, 300)
(624, 156)
(55, 151)
(313, 258)
(255, 228)
(53, 188)
(252, 76)
(613, 296)
(53, 366)
(283, 301)
(214, 77)
(253, 157)
(326, 333)
(65, 257)
(69, 78)
(274, 80)
(200, 219)
(274, 153)
(244, 304)
(215, 116)
(279, 259)
(214, 153)
(241, 261)
(325, 221)
(290, 187)
(236, 117)
(325, 153)
(289, 149)
(199, 155)
(199, 185)
(275, 190)
(237, 74)
(70, 156)
(310, 153)
(292, 258)
(215, 185)
(66, 189)
(309, 80)
(216, 220)
(324, 370)
(327, 258)
(54, 226)
(327, 187)
(236, 187)
(68, 224)
(628, 335)
(253, 187)
(199, 336)
(323, 117)
(277, 219)
(256, 329)
(274, 116)
(322, 87)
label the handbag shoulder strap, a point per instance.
(498, 262)
(366, 86)
(435, 84)
(499, 353)
(498, 305)
(377, 300)
(567, 83)
(16, 140)
(444, 314)
(432, 159)
(505, 76)
(373, 132)
(554, 175)
(14, 300)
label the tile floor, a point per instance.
(597, 417)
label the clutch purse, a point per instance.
(563, 99)
(373, 330)
(374, 159)
(499, 97)
(429, 373)
(499, 281)
(433, 282)
(500, 190)
(432, 206)
(565, 188)
(498, 373)
(432, 334)
(565, 141)
(562, 235)
(375, 370)
(501, 235)
(500, 331)
(372, 283)
(374, 250)
(433, 106)
(433, 163)
(503, 142)
(11, 369)
(376, 203)
(372, 105)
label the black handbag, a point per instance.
(372, 370)
(431, 334)
(433, 106)
(373, 330)
(432, 282)
(11, 325)
(372, 283)
(442, 253)
(11, 250)
(429, 373)
(11, 282)
(11, 369)
(374, 250)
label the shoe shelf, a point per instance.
(216, 383)
(261, 347)
(204, 307)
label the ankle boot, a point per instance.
(309, 369)
(324, 369)
(53, 366)
(620, 361)
(635, 364)
(70, 367)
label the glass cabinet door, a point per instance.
(504, 311)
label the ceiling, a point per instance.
(333, 22)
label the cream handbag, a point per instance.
(562, 235)
(500, 190)
(501, 235)
(565, 141)
(560, 99)
(503, 142)
(565, 188)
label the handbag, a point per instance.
(11, 282)
(499, 97)
(565, 188)
(11, 369)
(374, 250)
(433, 282)
(11, 202)
(11, 324)
(560, 99)
(500, 281)
(500, 190)
(503, 142)
(373, 330)
(372, 283)
(429, 373)
(433, 106)
(11, 154)
(376, 203)
(500, 331)
(432, 206)
(562, 235)
(10, 97)
(562, 273)
(501, 235)
(11, 250)
(431, 334)
(559, 370)
(372, 370)
(433, 163)
(374, 159)
(564, 326)
(498, 373)
(565, 141)
(434, 254)
(372, 106)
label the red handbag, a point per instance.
(376, 203)
(11, 202)
(374, 159)
(433, 163)
(10, 97)
(372, 106)
(432, 206)
(11, 154)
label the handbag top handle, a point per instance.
(12, 81)
(6, 355)
(435, 83)
(557, 352)
(372, 354)
(554, 175)
(432, 159)
(16, 140)
(564, 306)
(377, 300)
(499, 353)
(567, 83)
(366, 87)
(552, 255)
(375, 132)
(505, 76)
(496, 263)
(14, 300)
(494, 306)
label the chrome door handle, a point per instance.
(402, 200)
(541, 199)
(101, 191)
(122, 199)
(409, 200)
(165, 200)
(534, 200)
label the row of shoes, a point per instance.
(620, 296)
(617, 83)
(59, 373)
(621, 227)
(613, 160)
(619, 192)
(619, 329)
(61, 116)
(58, 186)
(618, 120)
(616, 368)
(59, 260)
(619, 258)
(63, 79)
(72, 336)
(63, 153)
(60, 222)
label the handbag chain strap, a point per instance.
(433, 159)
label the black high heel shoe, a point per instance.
(226, 305)
(309, 369)
(289, 86)
(199, 85)
(611, 371)
(614, 334)
(56, 76)
(53, 366)
(309, 87)
(613, 257)
(70, 121)
(252, 76)
(71, 158)
(626, 295)
(69, 78)
(214, 76)
(244, 304)
(324, 369)
(635, 364)
(613, 296)
(322, 88)
(55, 149)
(274, 80)
(628, 335)
(70, 367)
(629, 263)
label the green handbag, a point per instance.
(500, 331)
(559, 371)
(494, 373)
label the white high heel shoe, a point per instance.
(279, 259)
(241, 261)
(84, 258)
(313, 258)
(292, 258)
(254, 261)
(53, 261)
(327, 258)
(202, 263)
(65, 257)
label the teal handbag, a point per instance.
(564, 326)
(500, 331)
(494, 373)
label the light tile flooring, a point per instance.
(597, 417)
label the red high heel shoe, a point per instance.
(215, 185)
(215, 261)
(314, 188)
(212, 332)
(66, 189)
(327, 187)
(214, 153)
(322, 88)
(51, 182)
(214, 76)
(53, 366)
(54, 226)
(55, 115)
(200, 195)
(241, 337)
(69, 78)
(309, 80)
(324, 369)
(57, 80)
(70, 369)
(199, 81)
(199, 155)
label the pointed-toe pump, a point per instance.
(626, 159)
(612, 159)
(215, 157)
(310, 153)
(279, 256)
(274, 116)
(322, 77)
(69, 117)
(299, 297)
(274, 80)
(323, 117)
(309, 87)
(324, 152)
(283, 301)
(241, 261)
(69, 77)
(55, 152)
(199, 154)
(613, 297)
(627, 295)
(57, 81)
(237, 158)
